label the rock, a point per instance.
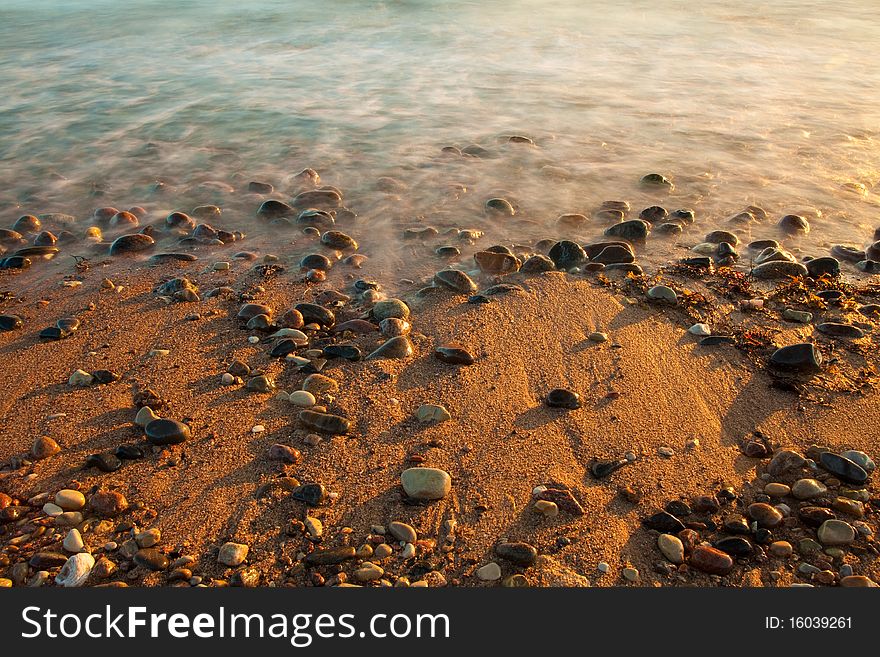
(836, 532)
(664, 522)
(43, 560)
(285, 453)
(394, 327)
(490, 572)
(432, 413)
(44, 447)
(840, 330)
(633, 230)
(567, 254)
(336, 239)
(390, 308)
(426, 483)
(805, 489)
(861, 581)
(779, 269)
(302, 398)
(131, 244)
(402, 532)
(104, 461)
(272, 209)
(671, 547)
(144, 416)
(794, 224)
(492, 262)
(311, 494)
(562, 398)
(860, 459)
(314, 314)
(397, 348)
(10, 322)
(546, 508)
(656, 180)
(663, 293)
(850, 507)
(456, 280)
(151, 558)
(70, 500)
(108, 503)
(537, 264)
(325, 422)
(148, 538)
(166, 432)
(76, 570)
(314, 527)
(330, 557)
(777, 490)
(518, 553)
(500, 206)
(232, 554)
(261, 383)
(824, 266)
(80, 378)
(453, 354)
(563, 498)
(843, 468)
(814, 516)
(801, 358)
(318, 384)
(765, 515)
(799, 316)
(711, 560)
(735, 546)
(368, 572)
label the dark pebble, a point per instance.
(567, 254)
(311, 494)
(520, 554)
(10, 322)
(313, 313)
(562, 398)
(843, 468)
(129, 452)
(166, 432)
(664, 522)
(801, 358)
(453, 354)
(330, 557)
(104, 461)
(151, 558)
(735, 546)
(345, 351)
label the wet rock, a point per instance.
(454, 279)
(129, 452)
(500, 206)
(346, 351)
(496, 263)
(315, 314)
(824, 266)
(602, 468)
(537, 264)
(711, 560)
(801, 358)
(453, 354)
(773, 269)
(567, 254)
(562, 398)
(397, 347)
(283, 347)
(843, 468)
(315, 219)
(654, 214)
(848, 253)
(325, 422)
(131, 244)
(426, 483)
(250, 310)
(258, 187)
(315, 261)
(735, 546)
(794, 224)
(656, 180)
(664, 522)
(272, 209)
(633, 230)
(765, 515)
(839, 330)
(320, 198)
(166, 432)
(861, 459)
(614, 254)
(518, 553)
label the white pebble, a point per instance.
(700, 330)
(259, 428)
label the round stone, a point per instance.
(44, 447)
(562, 398)
(302, 398)
(805, 489)
(765, 515)
(490, 572)
(663, 293)
(70, 500)
(836, 532)
(711, 560)
(518, 553)
(781, 549)
(402, 532)
(426, 483)
(390, 308)
(232, 554)
(776, 490)
(166, 432)
(671, 547)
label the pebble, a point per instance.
(432, 413)
(232, 554)
(285, 453)
(70, 500)
(456, 280)
(402, 532)
(10, 322)
(398, 347)
(562, 398)
(368, 572)
(801, 358)
(426, 483)
(261, 383)
(861, 581)
(76, 570)
(73, 542)
(777, 490)
(805, 489)
(567, 254)
(108, 503)
(700, 330)
(302, 398)
(781, 549)
(547, 508)
(631, 574)
(326, 422)
(104, 461)
(843, 468)
(144, 416)
(163, 432)
(80, 378)
(859, 458)
(711, 560)
(836, 532)
(671, 547)
(148, 538)
(663, 293)
(330, 556)
(151, 558)
(44, 447)
(518, 553)
(314, 527)
(490, 572)
(454, 354)
(765, 515)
